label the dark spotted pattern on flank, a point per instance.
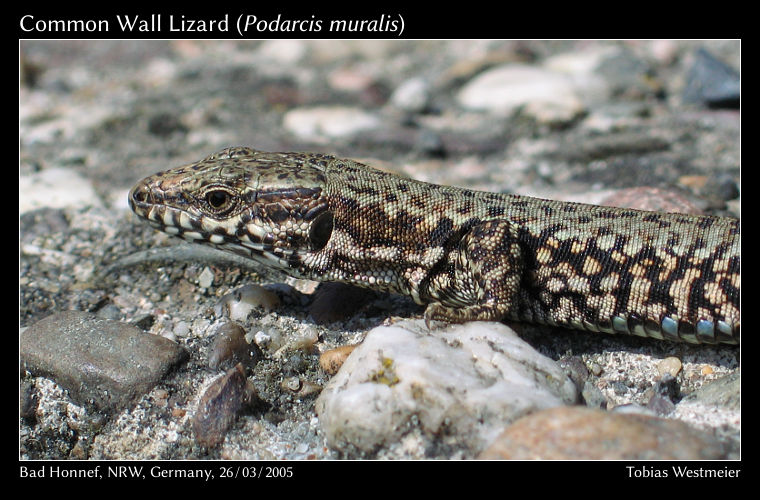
(469, 255)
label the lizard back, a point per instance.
(614, 270)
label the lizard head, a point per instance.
(249, 202)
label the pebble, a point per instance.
(106, 363)
(469, 380)
(575, 369)
(304, 338)
(230, 348)
(28, 400)
(219, 406)
(283, 51)
(181, 329)
(55, 188)
(239, 303)
(593, 396)
(549, 95)
(412, 95)
(321, 124)
(578, 433)
(712, 82)
(262, 339)
(663, 393)
(332, 360)
(670, 365)
(291, 383)
(206, 278)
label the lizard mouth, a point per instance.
(243, 237)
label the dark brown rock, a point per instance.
(220, 404)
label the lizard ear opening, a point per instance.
(320, 230)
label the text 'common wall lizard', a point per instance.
(468, 255)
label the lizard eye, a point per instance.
(320, 230)
(219, 201)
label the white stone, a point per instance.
(206, 278)
(55, 188)
(323, 123)
(283, 51)
(469, 381)
(505, 88)
(412, 95)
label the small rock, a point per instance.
(304, 339)
(661, 405)
(412, 95)
(27, 400)
(575, 369)
(593, 396)
(239, 303)
(219, 406)
(670, 365)
(332, 360)
(102, 362)
(467, 379)
(578, 433)
(292, 384)
(55, 188)
(206, 278)
(181, 329)
(321, 124)
(505, 88)
(230, 348)
(262, 339)
(283, 51)
(712, 82)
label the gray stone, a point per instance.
(106, 363)
(712, 82)
(725, 392)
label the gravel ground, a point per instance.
(582, 121)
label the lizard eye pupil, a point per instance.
(320, 231)
(217, 199)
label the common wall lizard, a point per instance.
(468, 255)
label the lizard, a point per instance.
(467, 255)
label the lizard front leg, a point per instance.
(480, 277)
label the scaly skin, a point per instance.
(468, 255)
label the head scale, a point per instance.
(260, 205)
